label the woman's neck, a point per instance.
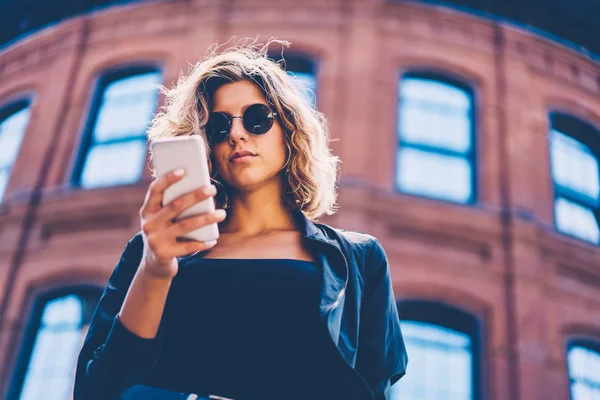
(257, 212)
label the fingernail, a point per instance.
(210, 243)
(220, 213)
(179, 172)
(210, 190)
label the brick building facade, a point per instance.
(492, 262)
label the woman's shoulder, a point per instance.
(359, 244)
(352, 237)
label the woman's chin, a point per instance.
(249, 182)
(246, 183)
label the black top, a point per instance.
(362, 350)
(243, 328)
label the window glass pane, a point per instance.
(593, 372)
(3, 181)
(50, 371)
(307, 84)
(574, 166)
(30, 390)
(64, 310)
(57, 387)
(577, 220)
(434, 114)
(436, 93)
(584, 371)
(441, 364)
(12, 130)
(127, 107)
(114, 164)
(434, 175)
(580, 391)
(576, 360)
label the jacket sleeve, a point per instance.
(381, 356)
(113, 358)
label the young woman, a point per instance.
(280, 307)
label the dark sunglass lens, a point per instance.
(258, 119)
(217, 128)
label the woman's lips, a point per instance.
(243, 159)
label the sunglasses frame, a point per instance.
(271, 115)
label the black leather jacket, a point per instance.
(366, 354)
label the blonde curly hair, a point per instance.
(311, 169)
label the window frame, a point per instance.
(6, 111)
(87, 293)
(586, 342)
(88, 140)
(471, 157)
(583, 132)
(452, 317)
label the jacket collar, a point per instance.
(307, 228)
(333, 263)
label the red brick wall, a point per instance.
(471, 257)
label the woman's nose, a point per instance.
(237, 130)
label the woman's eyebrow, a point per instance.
(244, 108)
(251, 104)
(221, 112)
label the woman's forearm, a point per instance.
(144, 303)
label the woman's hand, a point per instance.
(160, 232)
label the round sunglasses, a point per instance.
(257, 120)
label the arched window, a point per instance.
(443, 345)
(583, 360)
(13, 123)
(114, 149)
(574, 154)
(304, 71)
(435, 156)
(46, 368)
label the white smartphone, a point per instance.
(189, 153)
